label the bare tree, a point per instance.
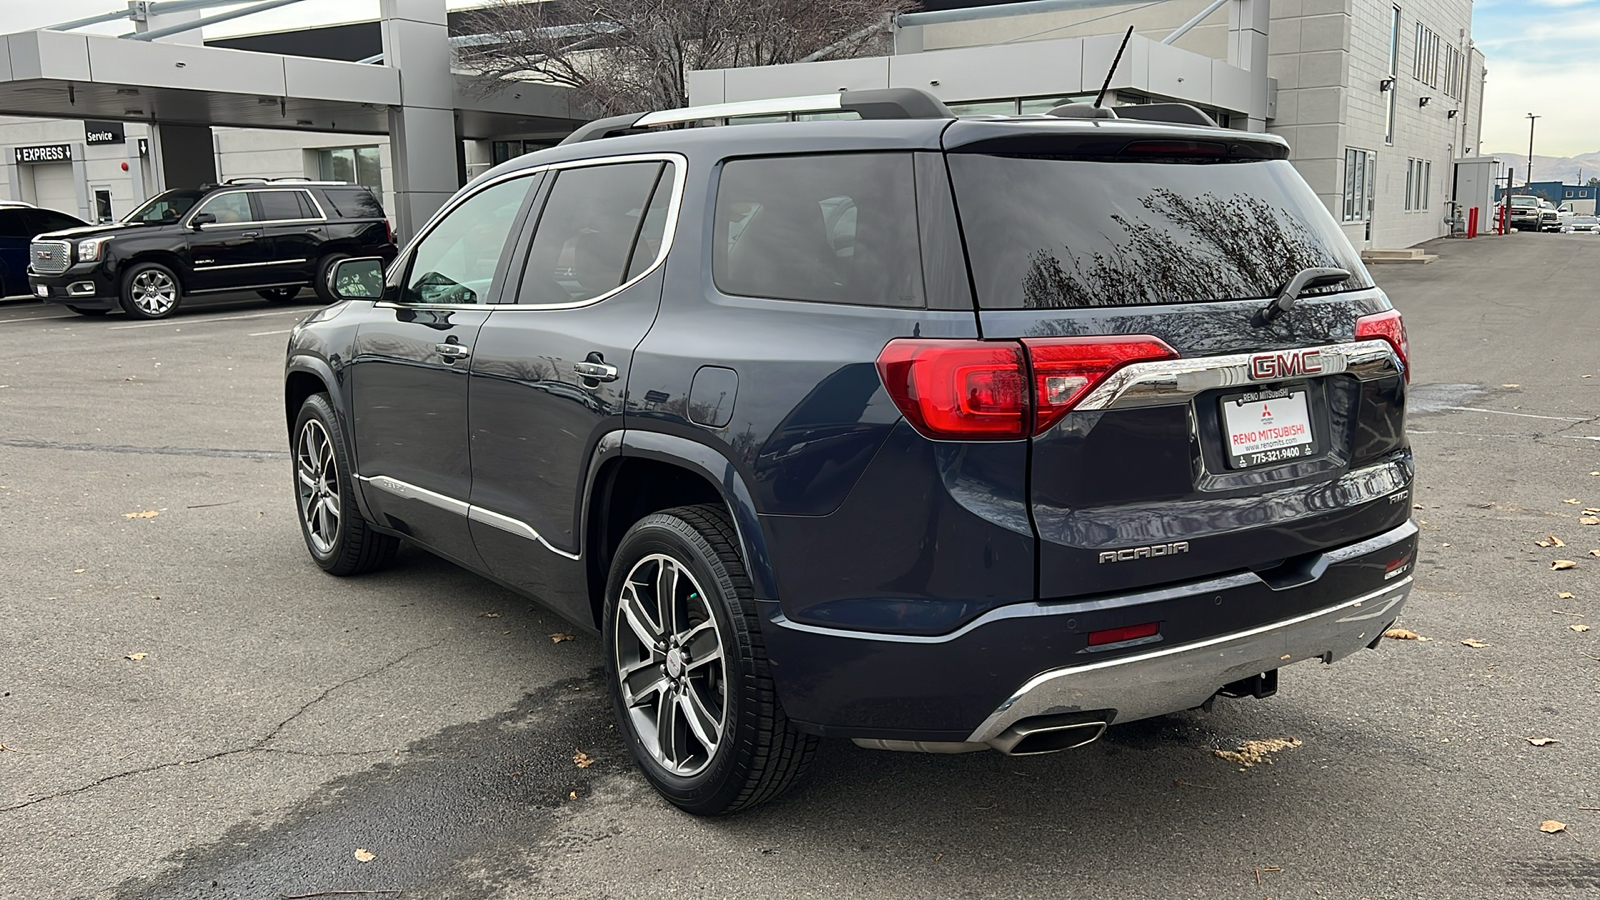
(635, 55)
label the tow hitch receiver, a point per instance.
(1258, 686)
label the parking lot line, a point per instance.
(265, 333)
(200, 320)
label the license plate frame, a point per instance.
(1244, 444)
(40, 290)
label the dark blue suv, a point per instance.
(934, 433)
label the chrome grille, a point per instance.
(49, 257)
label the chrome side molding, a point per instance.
(461, 508)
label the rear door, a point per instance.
(1221, 441)
(292, 233)
(549, 375)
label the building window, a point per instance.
(1359, 168)
(1411, 183)
(1427, 184)
(1419, 178)
(1394, 72)
(355, 165)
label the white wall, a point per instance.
(265, 153)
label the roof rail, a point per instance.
(886, 103)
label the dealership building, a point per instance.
(1381, 101)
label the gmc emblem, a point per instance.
(1273, 366)
(41, 254)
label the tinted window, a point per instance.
(1056, 233)
(353, 203)
(230, 209)
(165, 207)
(653, 233)
(456, 261)
(581, 247)
(274, 205)
(41, 221)
(14, 224)
(834, 229)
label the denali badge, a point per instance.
(1289, 363)
(1144, 552)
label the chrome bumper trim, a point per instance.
(1183, 677)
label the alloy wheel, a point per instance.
(670, 665)
(316, 477)
(154, 292)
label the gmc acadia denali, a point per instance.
(934, 433)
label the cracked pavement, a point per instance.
(279, 720)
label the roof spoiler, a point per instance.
(1170, 113)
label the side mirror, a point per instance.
(202, 219)
(357, 279)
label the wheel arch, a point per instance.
(654, 472)
(307, 376)
(165, 257)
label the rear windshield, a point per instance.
(354, 203)
(1046, 233)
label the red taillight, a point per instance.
(1128, 633)
(964, 390)
(1390, 327)
(388, 231)
(1065, 370)
(980, 390)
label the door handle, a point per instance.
(596, 371)
(451, 352)
(250, 234)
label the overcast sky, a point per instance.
(1539, 57)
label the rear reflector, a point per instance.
(1128, 633)
(1002, 390)
(1390, 327)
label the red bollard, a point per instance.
(1472, 222)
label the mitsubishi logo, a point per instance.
(1287, 364)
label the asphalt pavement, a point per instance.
(190, 708)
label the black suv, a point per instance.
(272, 236)
(935, 433)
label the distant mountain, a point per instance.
(1566, 169)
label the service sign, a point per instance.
(47, 153)
(103, 132)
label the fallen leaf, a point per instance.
(1551, 826)
(365, 855)
(488, 615)
(1572, 500)
(1540, 742)
(1402, 634)
(1589, 520)
(1445, 544)
(573, 795)
(1542, 543)
(560, 636)
(1511, 385)
(1475, 643)
(136, 656)
(77, 571)
(1579, 628)
(1595, 474)
(1565, 595)
(582, 759)
(1252, 752)
(147, 514)
(1565, 563)
(1555, 541)
(1594, 552)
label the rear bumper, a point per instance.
(1027, 660)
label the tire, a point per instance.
(710, 765)
(279, 295)
(88, 312)
(339, 540)
(151, 291)
(324, 283)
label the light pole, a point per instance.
(1531, 119)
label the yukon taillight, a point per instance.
(1065, 370)
(1390, 327)
(1001, 390)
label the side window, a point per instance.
(308, 210)
(457, 260)
(273, 206)
(587, 231)
(230, 209)
(353, 203)
(653, 232)
(14, 224)
(830, 229)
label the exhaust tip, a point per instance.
(1052, 734)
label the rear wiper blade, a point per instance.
(1299, 284)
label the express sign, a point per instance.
(47, 153)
